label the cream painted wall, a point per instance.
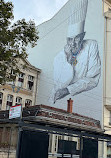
(106, 118)
(107, 6)
(24, 93)
(107, 81)
(107, 97)
(108, 63)
(52, 40)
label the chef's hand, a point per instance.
(61, 93)
(67, 50)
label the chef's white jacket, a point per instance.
(81, 77)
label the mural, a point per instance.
(77, 67)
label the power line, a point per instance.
(61, 82)
(62, 102)
(81, 93)
(93, 97)
(61, 22)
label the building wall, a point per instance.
(4, 154)
(16, 89)
(107, 6)
(107, 95)
(8, 140)
(108, 62)
(107, 77)
(52, 39)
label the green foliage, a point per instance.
(14, 39)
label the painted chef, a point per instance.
(77, 67)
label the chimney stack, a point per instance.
(69, 105)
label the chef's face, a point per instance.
(75, 43)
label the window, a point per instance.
(30, 82)
(13, 73)
(28, 103)
(12, 76)
(11, 83)
(9, 101)
(20, 80)
(56, 143)
(18, 100)
(1, 97)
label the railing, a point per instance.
(57, 155)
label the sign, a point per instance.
(15, 111)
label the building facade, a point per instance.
(23, 90)
(90, 90)
(107, 73)
(82, 78)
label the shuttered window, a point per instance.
(30, 82)
(9, 101)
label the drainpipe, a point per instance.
(104, 87)
(104, 75)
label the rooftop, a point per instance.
(51, 115)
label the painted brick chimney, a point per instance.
(69, 105)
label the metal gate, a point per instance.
(33, 144)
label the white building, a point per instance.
(52, 39)
(92, 90)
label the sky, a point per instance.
(37, 10)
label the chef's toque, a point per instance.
(77, 18)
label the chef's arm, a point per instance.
(83, 84)
(91, 79)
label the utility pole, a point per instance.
(19, 134)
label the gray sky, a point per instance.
(37, 10)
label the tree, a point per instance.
(14, 39)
